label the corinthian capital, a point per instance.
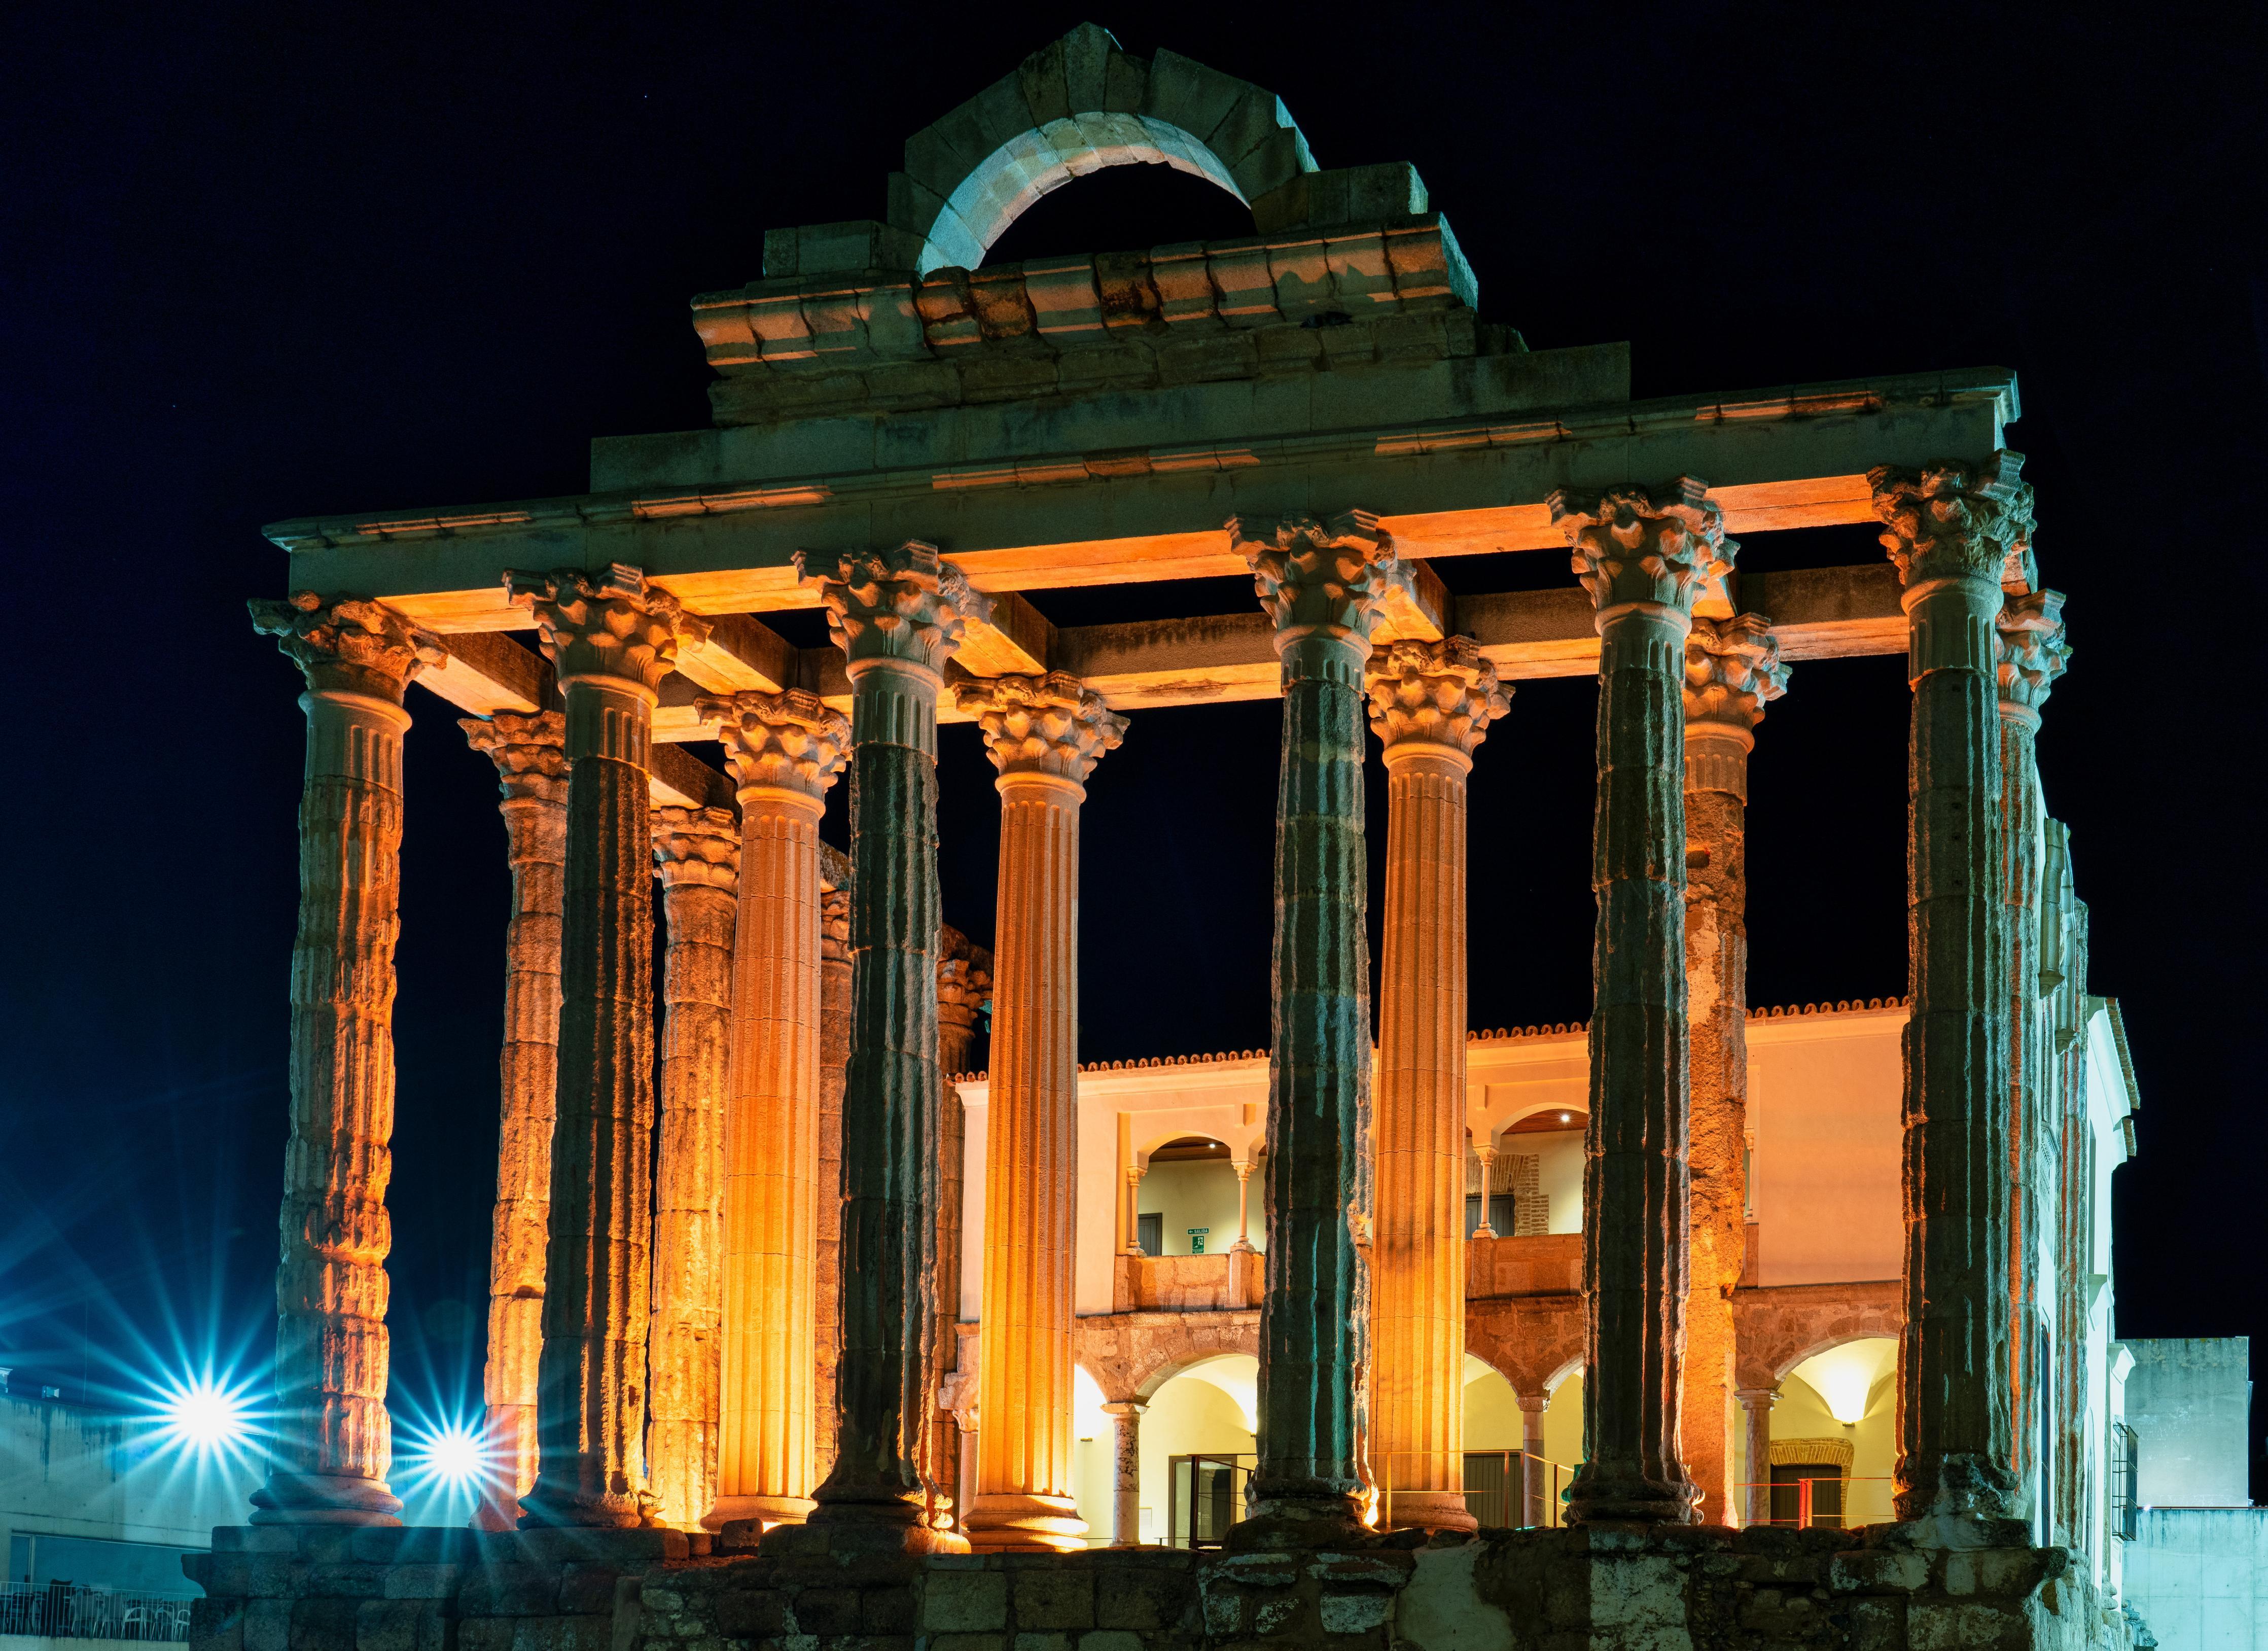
(348, 645)
(1043, 725)
(1951, 520)
(2031, 650)
(1439, 694)
(964, 982)
(1319, 577)
(1732, 670)
(696, 846)
(789, 740)
(1662, 547)
(611, 625)
(903, 603)
(529, 749)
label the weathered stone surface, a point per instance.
(697, 854)
(1431, 703)
(530, 756)
(785, 751)
(1645, 556)
(610, 639)
(1324, 585)
(898, 615)
(1045, 735)
(332, 1437)
(964, 992)
(1950, 528)
(1731, 671)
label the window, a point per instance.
(1499, 1213)
(2126, 1465)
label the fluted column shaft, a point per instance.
(1429, 703)
(697, 852)
(898, 615)
(1644, 557)
(1949, 530)
(784, 750)
(610, 638)
(333, 1440)
(531, 761)
(1732, 669)
(964, 984)
(834, 1051)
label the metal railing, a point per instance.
(1502, 1489)
(63, 1611)
(1821, 1502)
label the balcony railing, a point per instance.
(1502, 1489)
(1537, 1264)
(1188, 1284)
(61, 1610)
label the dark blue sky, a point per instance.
(263, 263)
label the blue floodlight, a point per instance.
(203, 1415)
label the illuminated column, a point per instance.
(611, 638)
(1756, 1423)
(1430, 703)
(785, 751)
(1243, 1244)
(964, 986)
(1732, 669)
(1950, 528)
(333, 1442)
(1486, 1154)
(1045, 734)
(697, 852)
(834, 1050)
(1323, 585)
(898, 616)
(528, 750)
(1644, 557)
(2030, 653)
(1126, 1471)
(1535, 1471)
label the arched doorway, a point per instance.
(1834, 1424)
(1187, 1203)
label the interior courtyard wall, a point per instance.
(1196, 1193)
(1559, 1173)
(1801, 1412)
(1823, 1105)
(1188, 1415)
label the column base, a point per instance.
(1014, 1523)
(1631, 1499)
(1428, 1510)
(739, 1521)
(1296, 1514)
(559, 1502)
(324, 1499)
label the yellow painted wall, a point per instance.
(1492, 1420)
(1801, 1413)
(1186, 1417)
(1192, 1193)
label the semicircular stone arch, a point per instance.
(1077, 107)
(1776, 1330)
(1132, 1355)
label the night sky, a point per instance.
(265, 264)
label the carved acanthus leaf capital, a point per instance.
(2032, 651)
(1951, 519)
(903, 604)
(1314, 577)
(1043, 725)
(790, 740)
(1732, 669)
(529, 749)
(612, 624)
(964, 980)
(696, 846)
(1433, 694)
(348, 645)
(1662, 547)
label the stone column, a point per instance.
(1732, 670)
(697, 852)
(898, 616)
(528, 750)
(1535, 1471)
(611, 638)
(834, 1050)
(785, 751)
(2030, 653)
(1243, 1244)
(1045, 734)
(332, 1442)
(1755, 1422)
(1323, 585)
(1430, 703)
(1486, 1155)
(1126, 1471)
(1643, 556)
(1949, 528)
(964, 986)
